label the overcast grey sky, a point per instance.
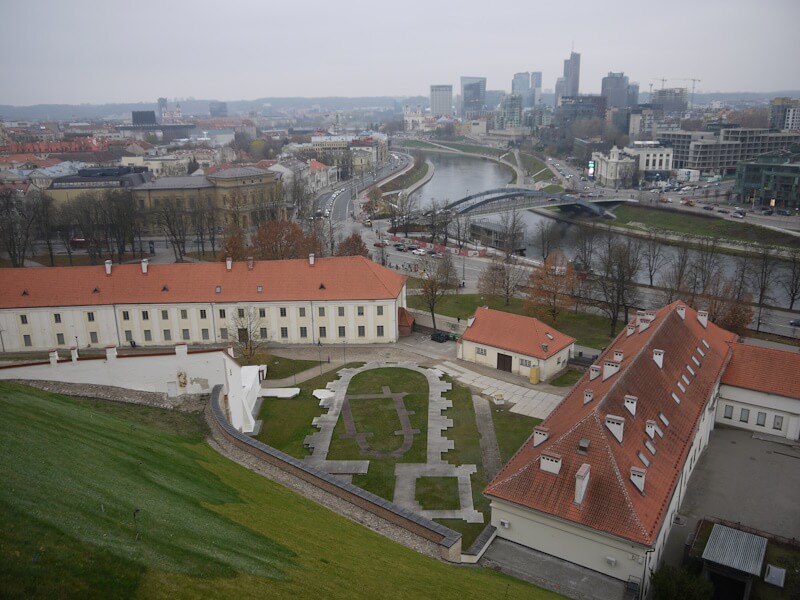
(94, 51)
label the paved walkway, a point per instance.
(490, 451)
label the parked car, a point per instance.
(783, 212)
(418, 252)
(724, 211)
(707, 207)
(738, 215)
(767, 211)
(795, 322)
(380, 244)
(439, 336)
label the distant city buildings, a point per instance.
(473, 96)
(771, 179)
(569, 83)
(572, 108)
(441, 100)
(218, 109)
(671, 99)
(521, 86)
(536, 87)
(784, 113)
(509, 113)
(618, 91)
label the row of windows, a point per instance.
(761, 417)
(262, 313)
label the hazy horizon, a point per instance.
(89, 52)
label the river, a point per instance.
(457, 176)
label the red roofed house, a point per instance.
(514, 343)
(601, 479)
(327, 301)
(761, 391)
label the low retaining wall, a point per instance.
(448, 541)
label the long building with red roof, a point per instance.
(305, 301)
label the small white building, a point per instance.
(516, 344)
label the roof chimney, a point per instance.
(681, 309)
(630, 404)
(658, 357)
(618, 355)
(594, 372)
(650, 428)
(249, 263)
(228, 263)
(631, 330)
(545, 347)
(702, 316)
(615, 425)
(145, 263)
(311, 259)
(550, 462)
(588, 395)
(540, 435)
(583, 445)
(637, 478)
(610, 368)
(108, 267)
(581, 483)
(643, 325)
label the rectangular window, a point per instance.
(126, 315)
(322, 332)
(204, 333)
(24, 319)
(27, 340)
(744, 416)
(221, 313)
(302, 311)
(341, 331)
(184, 313)
(341, 311)
(480, 351)
(202, 313)
(262, 313)
(728, 414)
(777, 422)
(241, 313)
(321, 311)
(761, 419)
(60, 338)
(380, 330)
(145, 315)
(380, 311)
(360, 311)
(167, 335)
(164, 315)
(263, 333)
(148, 337)
(524, 362)
(284, 332)
(93, 337)
(303, 332)
(283, 311)
(223, 333)
(90, 317)
(128, 335)
(185, 334)
(362, 331)
(57, 317)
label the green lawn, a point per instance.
(683, 222)
(75, 471)
(589, 330)
(417, 172)
(553, 189)
(568, 379)
(511, 430)
(287, 422)
(438, 493)
(280, 367)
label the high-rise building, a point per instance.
(473, 95)
(536, 87)
(780, 109)
(614, 89)
(569, 84)
(671, 99)
(162, 109)
(441, 100)
(218, 109)
(509, 113)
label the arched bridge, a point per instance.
(483, 199)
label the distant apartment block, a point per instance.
(569, 83)
(671, 99)
(509, 113)
(770, 177)
(618, 91)
(441, 100)
(784, 113)
(218, 109)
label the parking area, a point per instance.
(742, 479)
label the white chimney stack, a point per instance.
(229, 263)
(145, 264)
(588, 396)
(615, 425)
(681, 311)
(594, 372)
(637, 478)
(550, 462)
(581, 483)
(610, 368)
(249, 263)
(108, 267)
(702, 316)
(631, 330)
(311, 259)
(630, 404)
(658, 357)
(650, 429)
(540, 435)
(618, 355)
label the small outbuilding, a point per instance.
(732, 558)
(516, 344)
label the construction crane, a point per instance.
(694, 82)
(663, 80)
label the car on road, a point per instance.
(707, 207)
(737, 215)
(783, 212)
(767, 211)
(418, 252)
(724, 211)
(380, 244)
(439, 336)
(795, 322)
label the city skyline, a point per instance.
(87, 52)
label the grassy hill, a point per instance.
(108, 500)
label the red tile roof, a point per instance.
(612, 504)
(764, 370)
(315, 165)
(339, 278)
(515, 333)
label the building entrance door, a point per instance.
(504, 362)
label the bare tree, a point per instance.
(460, 230)
(211, 219)
(677, 275)
(439, 279)
(65, 225)
(120, 218)
(512, 232)
(500, 278)
(617, 265)
(301, 197)
(246, 328)
(17, 218)
(552, 287)
(763, 278)
(87, 212)
(652, 255)
(741, 274)
(705, 265)
(174, 221)
(546, 236)
(585, 241)
(790, 281)
(403, 212)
